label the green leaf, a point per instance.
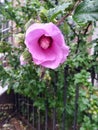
(54, 12)
(86, 11)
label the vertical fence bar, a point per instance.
(54, 118)
(39, 119)
(54, 109)
(46, 115)
(92, 75)
(23, 106)
(28, 107)
(76, 108)
(18, 100)
(97, 79)
(65, 98)
(33, 120)
(16, 103)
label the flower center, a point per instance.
(45, 42)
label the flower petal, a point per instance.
(50, 57)
(48, 61)
(65, 51)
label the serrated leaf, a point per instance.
(58, 10)
(86, 11)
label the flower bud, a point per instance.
(25, 57)
(19, 39)
(30, 22)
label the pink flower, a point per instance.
(46, 44)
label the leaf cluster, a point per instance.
(76, 20)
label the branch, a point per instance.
(86, 30)
(70, 12)
(78, 43)
(79, 40)
(70, 25)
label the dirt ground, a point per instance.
(15, 124)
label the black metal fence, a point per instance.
(40, 120)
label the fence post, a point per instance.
(65, 98)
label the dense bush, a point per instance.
(76, 19)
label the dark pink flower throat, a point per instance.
(45, 42)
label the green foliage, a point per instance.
(86, 11)
(88, 125)
(58, 10)
(29, 80)
(4, 47)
